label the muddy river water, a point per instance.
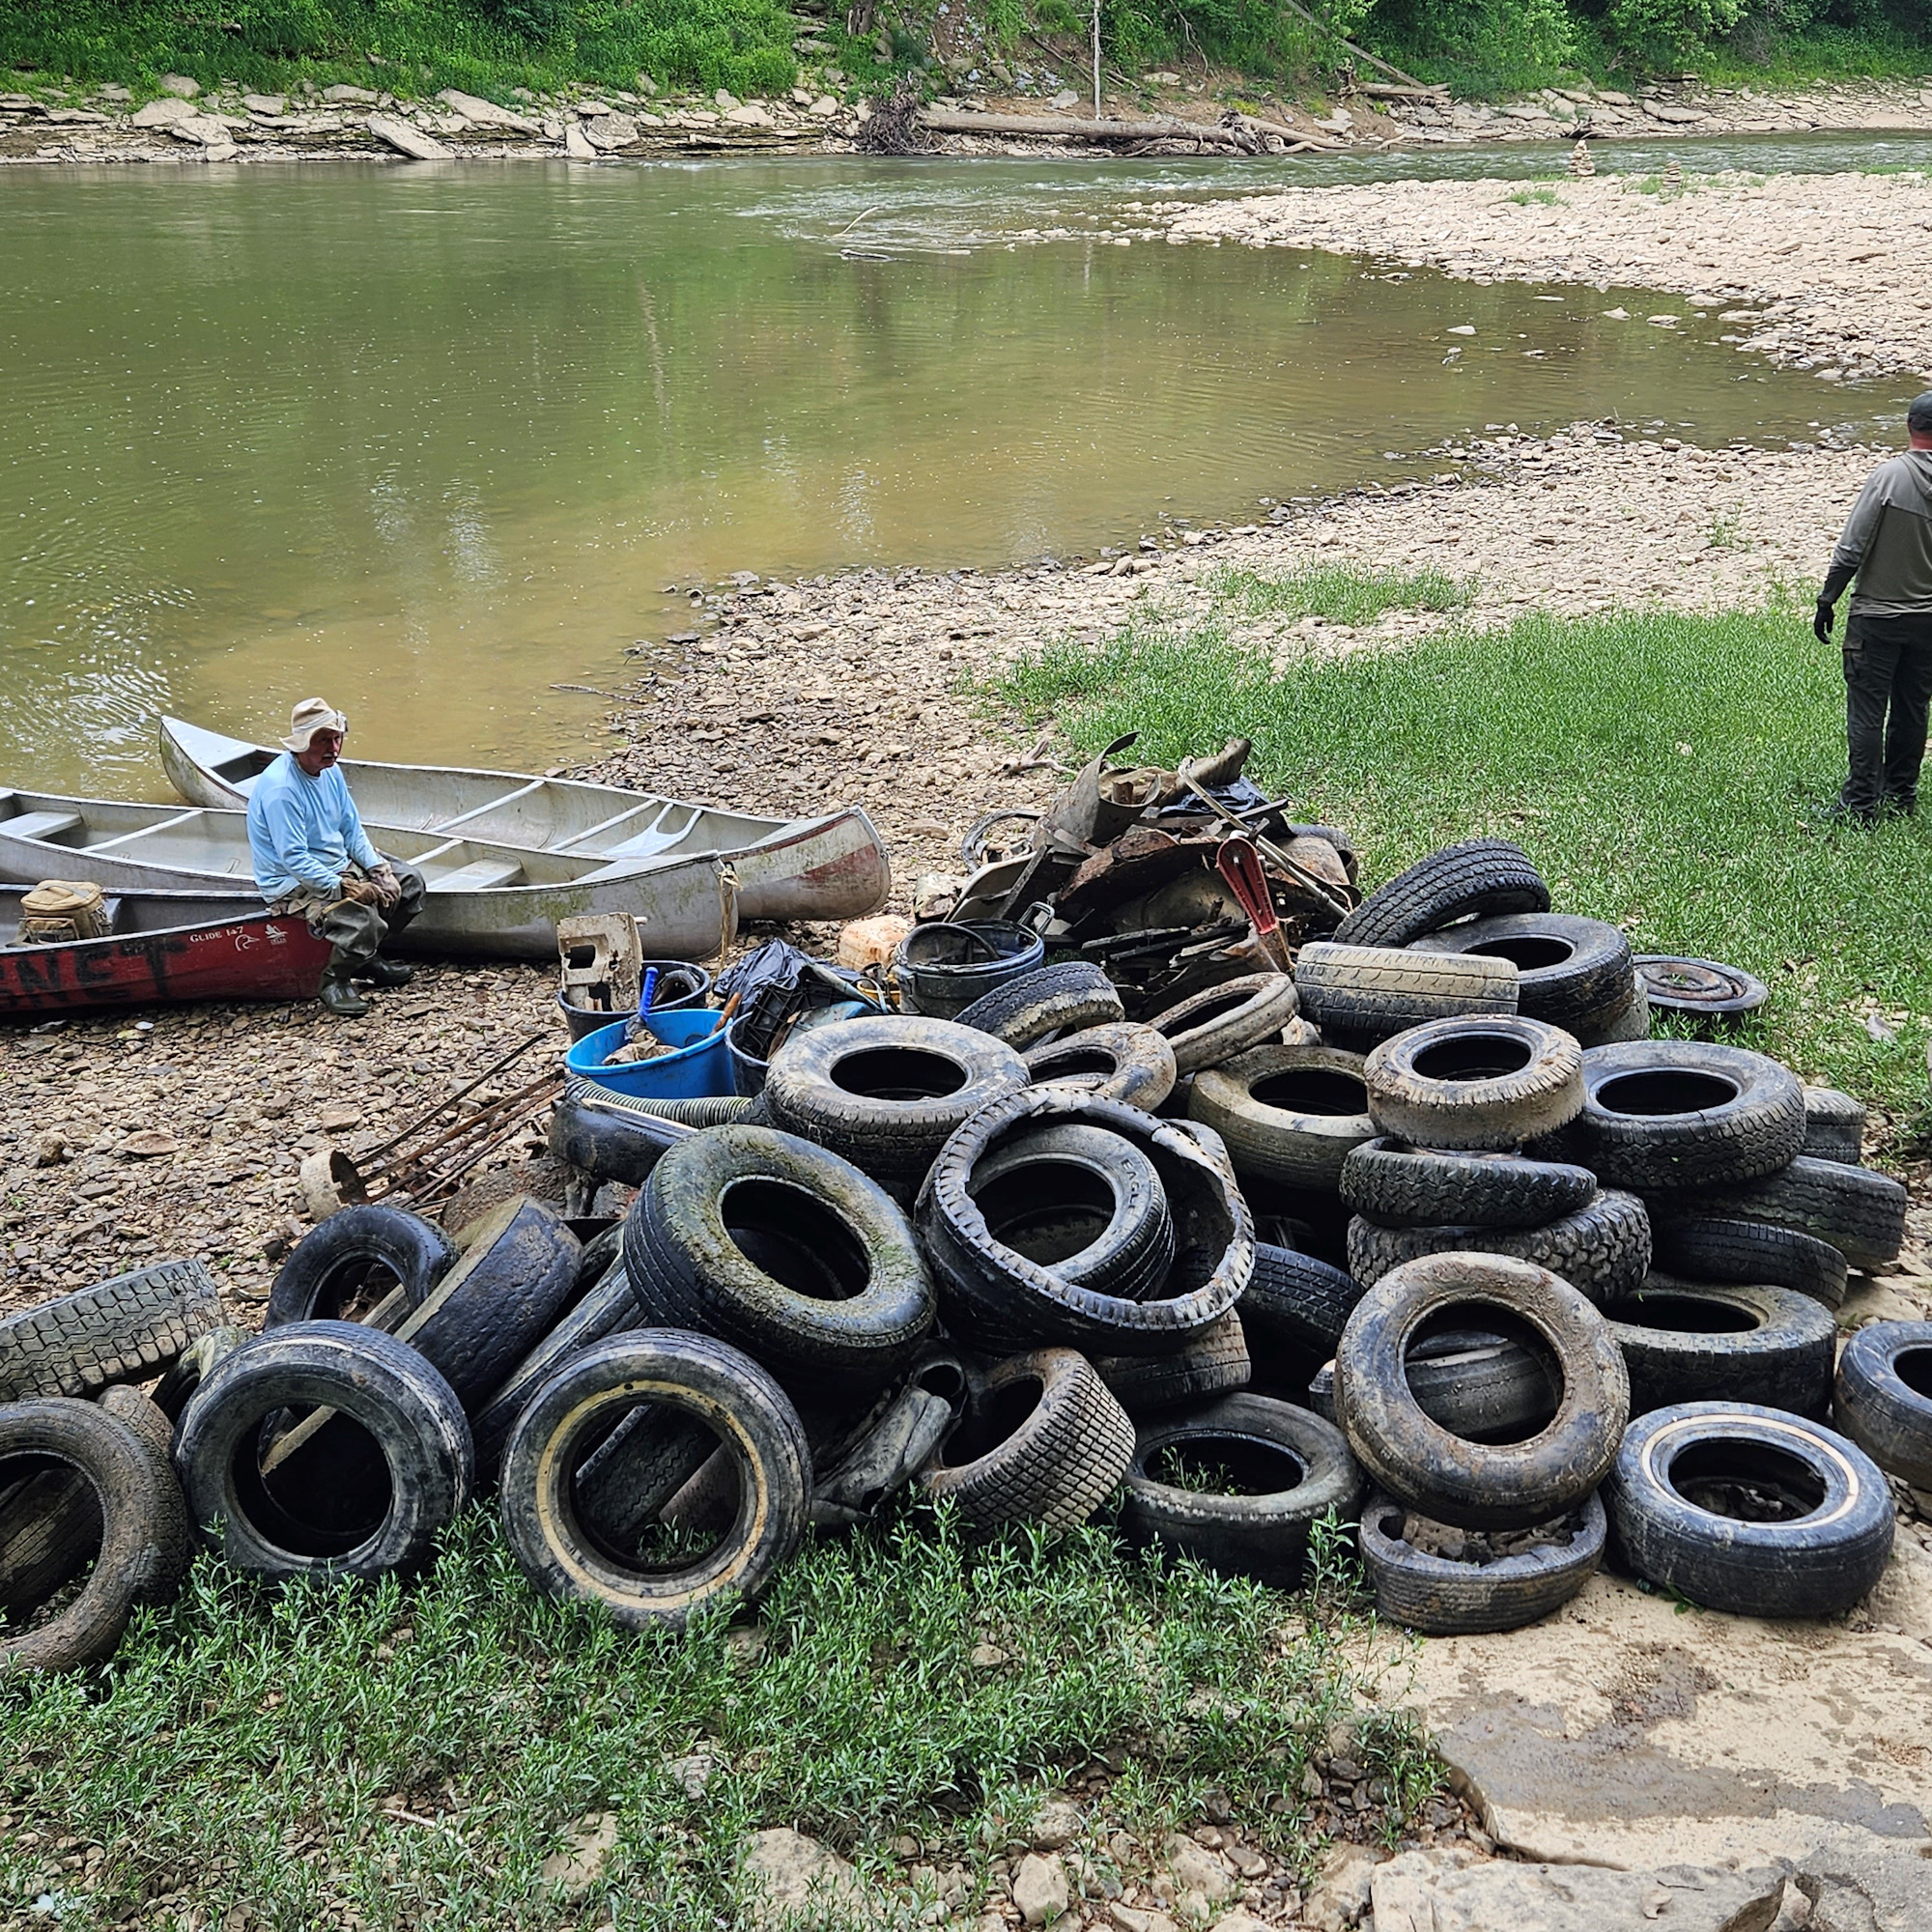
(430, 441)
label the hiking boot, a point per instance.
(379, 972)
(339, 996)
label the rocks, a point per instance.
(266, 103)
(486, 113)
(1674, 116)
(1424, 1892)
(1341, 1896)
(180, 86)
(406, 139)
(352, 95)
(609, 131)
(587, 1845)
(577, 145)
(750, 115)
(1056, 1824)
(1040, 1889)
(1202, 1879)
(167, 112)
(783, 1876)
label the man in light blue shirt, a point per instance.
(312, 857)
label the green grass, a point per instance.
(1666, 772)
(1536, 197)
(1341, 593)
(411, 1755)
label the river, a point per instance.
(432, 440)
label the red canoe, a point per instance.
(161, 948)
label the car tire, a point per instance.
(885, 1092)
(1834, 1126)
(1372, 992)
(758, 1435)
(1042, 1441)
(1884, 1397)
(1214, 1362)
(362, 1374)
(1602, 1251)
(331, 1262)
(1000, 1301)
(1818, 1558)
(785, 1251)
(1402, 1186)
(1292, 1469)
(129, 1329)
(1571, 973)
(1484, 1084)
(1480, 877)
(1486, 1387)
(1492, 1486)
(1716, 1247)
(1854, 1209)
(1440, 1596)
(1068, 998)
(1675, 1113)
(1123, 1062)
(1289, 1115)
(1297, 1300)
(1688, 1341)
(1214, 1025)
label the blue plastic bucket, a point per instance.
(700, 1066)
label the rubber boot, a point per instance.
(380, 972)
(338, 995)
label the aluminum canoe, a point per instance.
(828, 868)
(484, 901)
(160, 948)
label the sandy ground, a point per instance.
(1821, 272)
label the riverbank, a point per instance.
(47, 121)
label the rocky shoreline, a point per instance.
(104, 125)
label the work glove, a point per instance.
(1821, 623)
(361, 892)
(389, 888)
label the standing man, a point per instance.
(312, 857)
(1887, 545)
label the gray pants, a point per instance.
(358, 931)
(1888, 691)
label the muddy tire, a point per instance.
(332, 1261)
(1488, 1084)
(885, 1092)
(998, 1298)
(1675, 1113)
(1856, 1212)
(1632, 1023)
(1692, 1489)
(787, 1252)
(1492, 1486)
(1716, 1247)
(1691, 1341)
(140, 1546)
(129, 1329)
(365, 1376)
(1212, 1025)
(1834, 1126)
(1478, 877)
(1484, 1386)
(1442, 1597)
(609, 1307)
(515, 1276)
(1082, 1202)
(1602, 1251)
(1042, 1441)
(1291, 1468)
(1215, 1362)
(609, 1141)
(1296, 1299)
(1068, 998)
(1571, 973)
(1131, 1064)
(1404, 1187)
(1289, 1115)
(752, 1421)
(1884, 1397)
(173, 1390)
(1371, 993)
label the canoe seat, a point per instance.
(42, 824)
(478, 876)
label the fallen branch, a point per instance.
(1377, 90)
(1360, 53)
(945, 120)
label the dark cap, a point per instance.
(1918, 415)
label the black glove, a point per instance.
(1821, 623)
(1836, 581)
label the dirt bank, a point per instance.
(1819, 271)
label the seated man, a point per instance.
(312, 857)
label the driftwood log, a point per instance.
(1164, 127)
